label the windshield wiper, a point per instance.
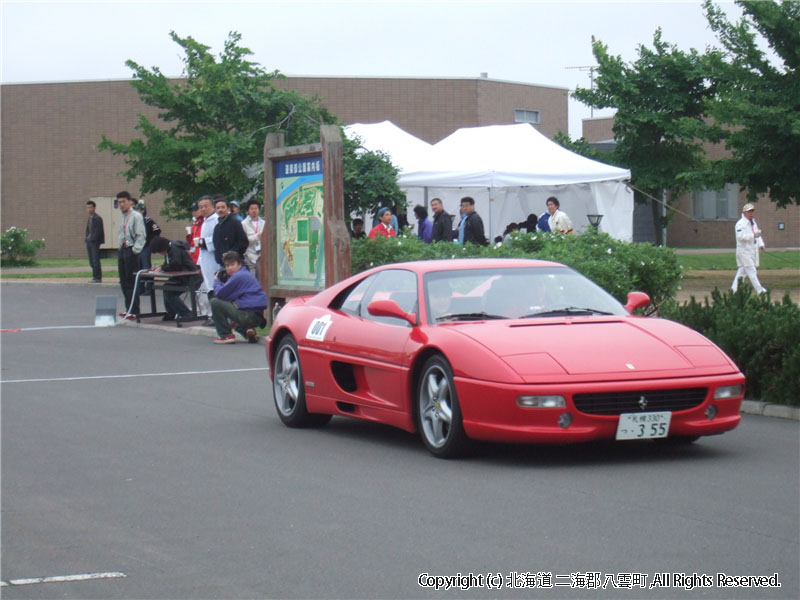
(566, 310)
(473, 316)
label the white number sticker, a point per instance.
(318, 328)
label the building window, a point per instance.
(526, 116)
(716, 205)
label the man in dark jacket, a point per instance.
(470, 230)
(177, 258)
(238, 298)
(442, 223)
(95, 237)
(229, 233)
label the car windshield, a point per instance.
(514, 293)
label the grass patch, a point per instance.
(788, 259)
(107, 275)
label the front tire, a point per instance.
(438, 412)
(289, 390)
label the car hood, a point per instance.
(599, 348)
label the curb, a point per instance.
(779, 411)
(194, 330)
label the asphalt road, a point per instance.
(159, 456)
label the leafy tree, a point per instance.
(758, 99)
(210, 134)
(370, 179)
(660, 125)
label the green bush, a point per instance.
(758, 334)
(618, 267)
(17, 249)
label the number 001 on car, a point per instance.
(643, 426)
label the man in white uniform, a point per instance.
(748, 245)
(207, 261)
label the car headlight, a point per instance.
(728, 391)
(541, 401)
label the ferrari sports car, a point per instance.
(503, 350)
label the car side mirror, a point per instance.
(636, 300)
(390, 308)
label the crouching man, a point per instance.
(238, 297)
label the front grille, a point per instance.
(615, 403)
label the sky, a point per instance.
(540, 42)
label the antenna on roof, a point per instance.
(591, 69)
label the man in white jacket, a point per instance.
(253, 226)
(748, 244)
(207, 261)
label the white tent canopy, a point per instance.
(407, 152)
(511, 170)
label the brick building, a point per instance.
(706, 217)
(50, 131)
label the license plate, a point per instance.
(643, 426)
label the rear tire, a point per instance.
(437, 410)
(289, 390)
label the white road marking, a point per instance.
(18, 329)
(64, 578)
(174, 374)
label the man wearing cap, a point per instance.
(236, 211)
(384, 227)
(748, 244)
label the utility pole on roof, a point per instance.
(591, 69)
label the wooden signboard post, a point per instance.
(305, 243)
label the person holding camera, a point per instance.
(238, 298)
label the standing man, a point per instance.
(442, 230)
(558, 221)
(131, 236)
(253, 226)
(424, 227)
(470, 229)
(236, 210)
(384, 227)
(358, 229)
(228, 234)
(748, 245)
(193, 231)
(95, 237)
(207, 261)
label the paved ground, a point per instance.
(157, 459)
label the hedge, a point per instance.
(761, 336)
(616, 266)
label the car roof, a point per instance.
(427, 266)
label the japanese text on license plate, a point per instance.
(643, 426)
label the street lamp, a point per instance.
(594, 220)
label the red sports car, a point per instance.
(507, 350)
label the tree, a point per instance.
(660, 126)
(758, 100)
(370, 180)
(211, 129)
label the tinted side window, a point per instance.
(352, 301)
(395, 284)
